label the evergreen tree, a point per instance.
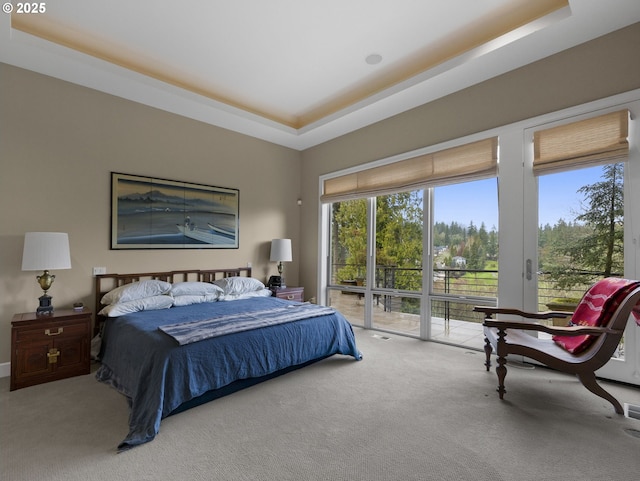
(492, 244)
(595, 242)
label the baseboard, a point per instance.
(5, 369)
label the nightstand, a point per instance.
(49, 347)
(289, 293)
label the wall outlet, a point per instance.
(99, 270)
(249, 265)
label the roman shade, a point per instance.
(469, 161)
(594, 141)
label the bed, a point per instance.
(211, 342)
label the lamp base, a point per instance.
(45, 306)
(280, 270)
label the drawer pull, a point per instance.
(53, 355)
(291, 297)
(49, 333)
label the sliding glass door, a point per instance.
(348, 258)
(396, 279)
(465, 259)
(581, 223)
(416, 262)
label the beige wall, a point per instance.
(597, 69)
(58, 144)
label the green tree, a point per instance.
(475, 253)
(349, 238)
(492, 244)
(596, 243)
(483, 235)
(399, 239)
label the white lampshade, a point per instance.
(281, 250)
(46, 251)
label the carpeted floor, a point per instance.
(411, 410)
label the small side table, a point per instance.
(49, 347)
(289, 293)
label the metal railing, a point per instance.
(462, 283)
(458, 282)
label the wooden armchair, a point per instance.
(512, 337)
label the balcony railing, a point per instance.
(460, 283)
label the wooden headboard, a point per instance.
(107, 282)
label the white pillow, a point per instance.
(239, 285)
(194, 289)
(144, 304)
(235, 297)
(136, 290)
(188, 300)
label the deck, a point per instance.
(459, 333)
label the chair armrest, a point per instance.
(489, 311)
(553, 330)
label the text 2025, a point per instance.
(31, 7)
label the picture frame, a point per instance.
(153, 213)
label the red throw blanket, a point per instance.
(595, 308)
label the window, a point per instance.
(398, 262)
(378, 240)
(580, 240)
(580, 206)
(465, 248)
(348, 257)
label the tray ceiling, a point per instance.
(296, 72)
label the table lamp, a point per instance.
(45, 251)
(281, 252)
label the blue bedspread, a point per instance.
(157, 375)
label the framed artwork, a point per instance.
(150, 213)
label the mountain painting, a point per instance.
(150, 213)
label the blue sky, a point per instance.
(463, 203)
(558, 196)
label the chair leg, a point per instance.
(487, 350)
(588, 380)
(501, 371)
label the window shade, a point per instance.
(457, 163)
(599, 140)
